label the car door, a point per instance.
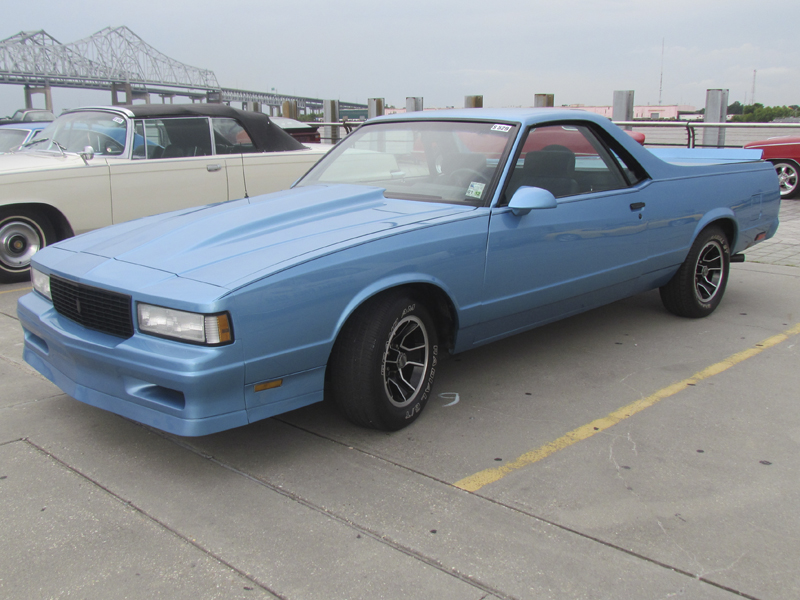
(587, 251)
(173, 167)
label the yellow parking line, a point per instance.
(475, 482)
(16, 290)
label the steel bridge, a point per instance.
(117, 60)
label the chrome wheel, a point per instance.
(698, 285)
(787, 178)
(709, 271)
(405, 361)
(19, 241)
(23, 232)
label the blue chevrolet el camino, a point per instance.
(418, 235)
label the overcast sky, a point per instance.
(506, 50)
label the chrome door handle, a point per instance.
(212, 168)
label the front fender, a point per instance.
(393, 282)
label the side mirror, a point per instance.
(87, 154)
(526, 199)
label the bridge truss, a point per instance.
(116, 59)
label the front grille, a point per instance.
(92, 307)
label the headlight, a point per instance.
(210, 330)
(41, 283)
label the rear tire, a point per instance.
(383, 363)
(23, 232)
(787, 178)
(697, 288)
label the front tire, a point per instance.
(787, 178)
(22, 233)
(697, 288)
(383, 363)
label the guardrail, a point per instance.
(685, 133)
(343, 128)
(657, 133)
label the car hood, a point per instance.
(21, 162)
(233, 243)
(776, 141)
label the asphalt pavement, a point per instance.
(624, 453)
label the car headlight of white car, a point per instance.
(197, 328)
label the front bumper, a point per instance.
(179, 388)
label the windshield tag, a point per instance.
(503, 128)
(119, 120)
(475, 190)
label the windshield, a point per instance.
(11, 138)
(431, 161)
(104, 132)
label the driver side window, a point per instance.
(171, 138)
(566, 160)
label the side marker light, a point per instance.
(268, 385)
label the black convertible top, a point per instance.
(266, 136)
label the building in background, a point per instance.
(670, 112)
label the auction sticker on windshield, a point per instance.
(475, 190)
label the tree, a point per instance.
(758, 113)
(309, 116)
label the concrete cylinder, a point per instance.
(622, 109)
(289, 109)
(413, 104)
(473, 101)
(716, 112)
(543, 100)
(375, 107)
(330, 114)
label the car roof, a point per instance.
(177, 110)
(27, 126)
(525, 116)
(265, 135)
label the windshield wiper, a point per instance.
(36, 141)
(61, 148)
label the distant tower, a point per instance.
(661, 79)
(753, 92)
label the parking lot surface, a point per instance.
(623, 453)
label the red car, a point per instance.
(784, 153)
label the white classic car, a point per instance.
(97, 166)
